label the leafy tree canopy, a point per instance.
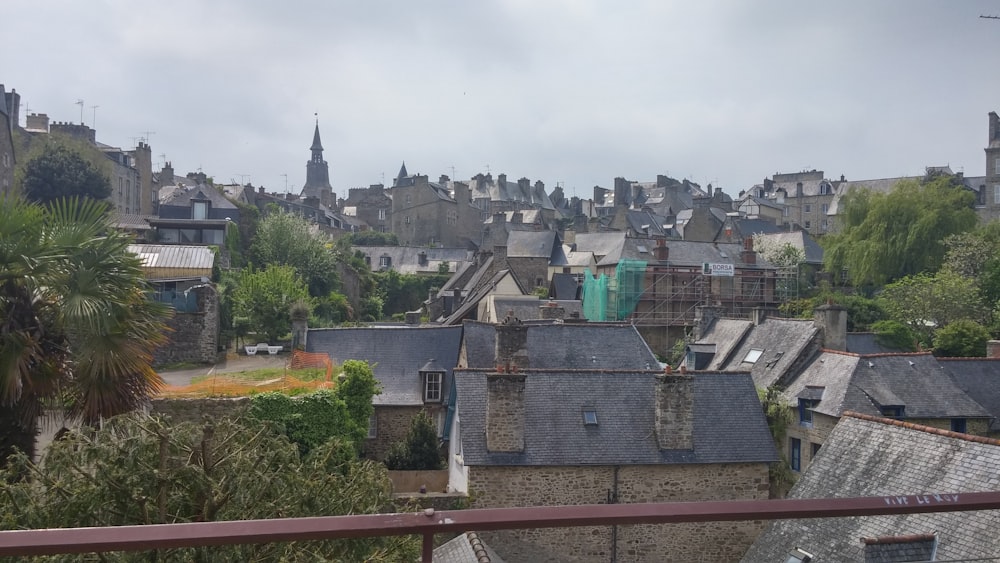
(60, 171)
(782, 255)
(289, 240)
(976, 255)
(963, 338)
(265, 298)
(369, 238)
(421, 450)
(928, 302)
(136, 471)
(884, 237)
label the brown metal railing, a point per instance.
(431, 522)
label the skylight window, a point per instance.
(589, 417)
(753, 355)
(642, 248)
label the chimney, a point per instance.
(412, 318)
(831, 319)
(505, 412)
(994, 128)
(748, 256)
(499, 217)
(758, 314)
(516, 218)
(502, 182)
(660, 251)
(552, 311)
(704, 315)
(512, 344)
(675, 411)
(37, 121)
(443, 179)
(993, 348)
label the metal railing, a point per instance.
(429, 522)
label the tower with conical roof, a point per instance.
(318, 174)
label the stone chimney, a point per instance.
(748, 255)
(831, 319)
(512, 344)
(443, 179)
(37, 122)
(552, 311)
(994, 129)
(704, 315)
(758, 314)
(505, 412)
(675, 410)
(516, 218)
(660, 251)
(502, 182)
(993, 348)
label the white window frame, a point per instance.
(433, 383)
(373, 426)
(381, 214)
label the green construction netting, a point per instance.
(615, 298)
(630, 275)
(595, 297)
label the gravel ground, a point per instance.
(233, 363)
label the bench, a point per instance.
(273, 350)
(251, 350)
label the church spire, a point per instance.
(316, 146)
(318, 174)
(402, 171)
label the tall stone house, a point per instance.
(438, 213)
(805, 198)
(535, 437)
(371, 205)
(989, 199)
(9, 107)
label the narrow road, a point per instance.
(183, 377)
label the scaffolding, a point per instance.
(671, 295)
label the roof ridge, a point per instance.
(923, 428)
(885, 354)
(969, 358)
(478, 547)
(909, 538)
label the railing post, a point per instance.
(427, 555)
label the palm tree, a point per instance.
(77, 330)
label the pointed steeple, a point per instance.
(316, 146)
(402, 171)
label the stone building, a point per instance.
(371, 205)
(438, 213)
(413, 365)
(989, 199)
(318, 175)
(194, 214)
(536, 437)
(9, 109)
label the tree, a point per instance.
(368, 238)
(288, 240)
(963, 338)
(138, 471)
(61, 172)
(265, 297)
(895, 335)
(884, 237)
(782, 255)
(926, 302)
(421, 450)
(976, 255)
(356, 390)
(77, 330)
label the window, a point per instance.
(808, 224)
(824, 207)
(808, 208)
(784, 212)
(384, 261)
(813, 449)
(824, 189)
(996, 193)
(169, 236)
(408, 199)
(798, 555)
(212, 236)
(958, 425)
(823, 225)
(381, 214)
(996, 166)
(795, 453)
(372, 426)
(893, 411)
(432, 387)
(199, 210)
(805, 411)
(407, 221)
(589, 417)
(752, 356)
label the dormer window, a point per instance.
(432, 376)
(894, 411)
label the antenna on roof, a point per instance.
(79, 102)
(285, 176)
(93, 124)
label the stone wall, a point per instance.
(391, 425)
(197, 410)
(194, 337)
(493, 487)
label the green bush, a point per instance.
(420, 451)
(961, 339)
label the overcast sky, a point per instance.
(574, 92)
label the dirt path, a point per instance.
(231, 364)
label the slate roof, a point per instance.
(801, 240)
(395, 353)
(979, 378)
(682, 253)
(897, 549)
(726, 334)
(565, 287)
(182, 197)
(471, 301)
(465, 548)
(566, 346)
(781, 341)
(601, 244)
(869, 457)
(554, 433)
(528, 307)
(406, 259)
(861, 383)
(533, 244)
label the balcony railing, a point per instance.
(431, 522)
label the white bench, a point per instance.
(251, 350)
(273, 350)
